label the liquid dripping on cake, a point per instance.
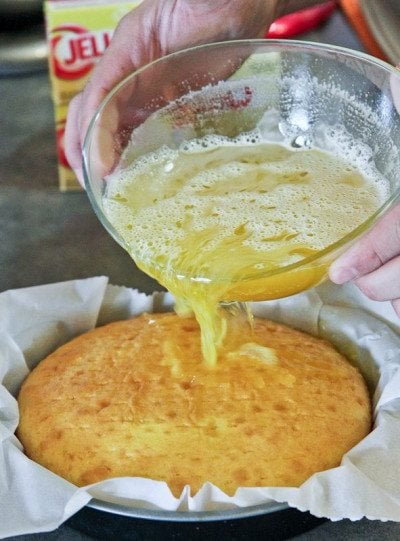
(211, 219)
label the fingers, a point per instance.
(374, 262)
(382, 284)
(375, 249)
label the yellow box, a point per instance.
(78, 33)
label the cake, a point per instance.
(133, 398)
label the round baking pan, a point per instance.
(272, 522)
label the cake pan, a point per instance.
(272, 521)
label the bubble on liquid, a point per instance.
(301, 141)
(202, 192)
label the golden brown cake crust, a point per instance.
(126, 400)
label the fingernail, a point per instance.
(342, 275)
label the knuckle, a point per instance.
(124, 24)
(375, 259)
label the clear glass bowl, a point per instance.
(308, 87)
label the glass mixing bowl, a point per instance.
(299, 92)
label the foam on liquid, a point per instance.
(209, 220)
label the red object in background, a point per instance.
(301, 21)
(353, 12)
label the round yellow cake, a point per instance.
(133, 398)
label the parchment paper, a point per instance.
(34, 321)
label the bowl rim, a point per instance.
(285, 44)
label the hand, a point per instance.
(153, 29)
(373, 263)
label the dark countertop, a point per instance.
(48, 236)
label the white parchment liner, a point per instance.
(34, 321)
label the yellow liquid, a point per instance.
(211, 220)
